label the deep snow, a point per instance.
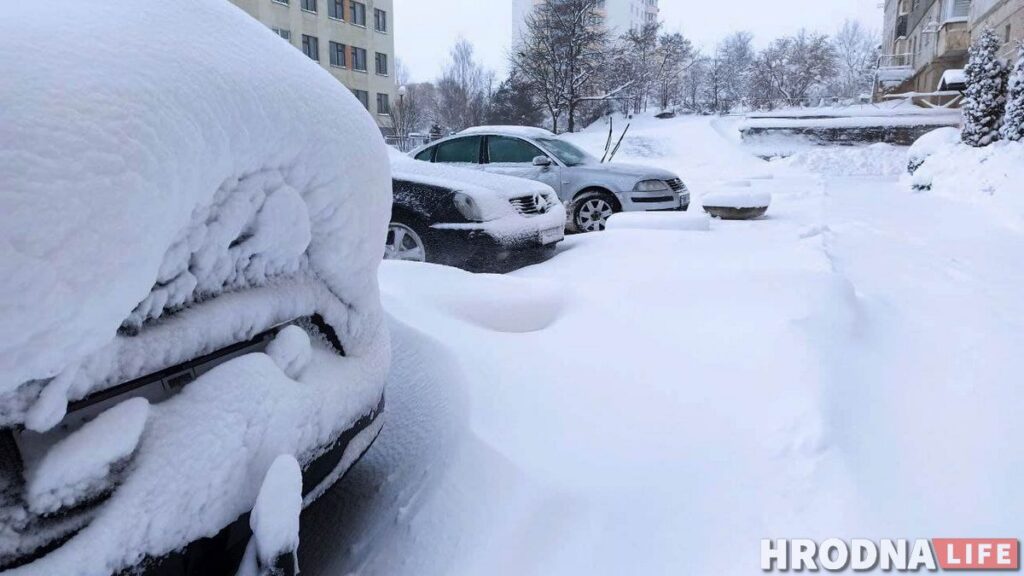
(845, 367)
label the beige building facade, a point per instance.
(923, 39)
(351, 39)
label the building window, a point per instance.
(382, 64)
(363, 96)
(285, 2)
(337, 52)
(286, 34)
(311, 47)
(1009, 35)
(380, 20)
(309, 5)
(383, 104)
(359, 59)
(336, 9)
(359, 13)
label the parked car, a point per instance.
(591, 190)
(189, 300)
(469, 219)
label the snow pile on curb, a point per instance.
(874, 160)
(660, 221)
(738, 194)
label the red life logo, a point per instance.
(977, 553)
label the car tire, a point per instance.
(589, 212)
(407, 240)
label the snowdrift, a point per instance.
(175, 179)
(991, 175)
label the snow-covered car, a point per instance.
(591, 190)
(470, 219)
(188, 287)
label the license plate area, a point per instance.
(551, 235)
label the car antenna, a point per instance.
(619, 143)
(608, 144)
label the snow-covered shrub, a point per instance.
(992, 174)
(1013, 122)
(929, 144)
(986, 91)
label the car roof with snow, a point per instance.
(521, 131)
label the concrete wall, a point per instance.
(1006, 17)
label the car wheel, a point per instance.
(404, 243)
(591, 211)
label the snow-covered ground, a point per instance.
(657, 401)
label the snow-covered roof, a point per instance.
(955, 77)
(523, 131)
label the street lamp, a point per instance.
(402, 90)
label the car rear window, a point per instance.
(505, 150)
(460, 150)
(425, 156)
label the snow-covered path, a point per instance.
(646, 401)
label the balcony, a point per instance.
(894, 69)
(896, 61)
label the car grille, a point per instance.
(531, 205)
(676, 185)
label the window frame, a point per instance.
(333, 13)
(332, 52)
(315, 44)
(376, 64)
(304, 3)
(376, 21)
(356, 50)
(352, 11)
(387, 102)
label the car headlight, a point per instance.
(468, 207)
(651, 186)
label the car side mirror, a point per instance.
(542, 161)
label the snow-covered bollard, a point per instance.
(737, 201)
(685, 221)
(274, 546)
(84, 465)
(291, 351)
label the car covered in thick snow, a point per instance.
(591, 190)
(188, 288)
(470, 219)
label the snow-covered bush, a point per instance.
(992, 174)
(986, 91)
(929, 144)
(1013, 122)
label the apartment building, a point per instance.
(620, 15)
(351, 39)
(923, 39)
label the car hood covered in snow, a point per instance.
(627, 171)
(174, 179)
(492, 192)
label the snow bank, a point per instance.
(170, 177)
(992, 175)
(874, 160)
(79, 467)
(659, 221)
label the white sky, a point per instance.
(425, 30)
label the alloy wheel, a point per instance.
(404, 244)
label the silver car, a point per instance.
(591, 191)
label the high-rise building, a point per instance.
(620, 15)
(352, 39)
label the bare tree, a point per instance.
(675, 56)
(856, 50)
(561, 54)
(735, 55)
(463, 89)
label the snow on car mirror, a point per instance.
(542, 161)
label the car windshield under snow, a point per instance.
(567, 153)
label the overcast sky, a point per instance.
(424, 30)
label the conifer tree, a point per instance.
(986, 92)
(1013, 122)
